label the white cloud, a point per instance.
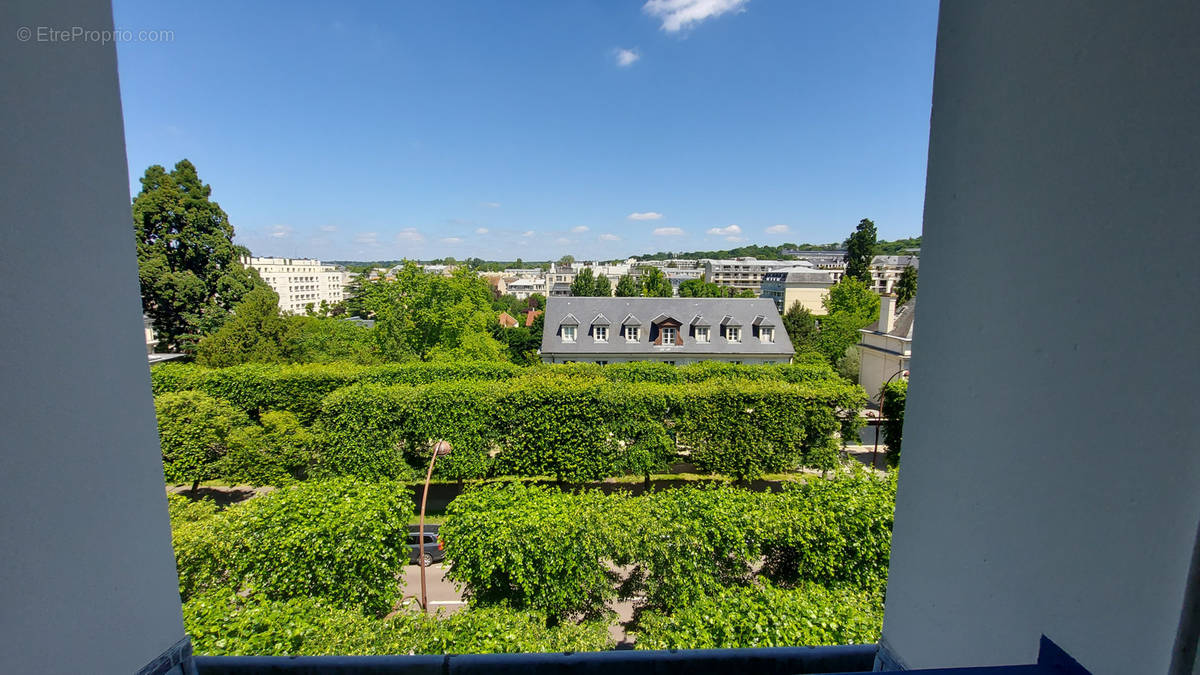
(409, 234)
(367, 238)
(679, 14)
(579, 229)
(491, 205)
(778, 229)
(627, 57)
(451, 240)
(527, 233)
(280, 231)
(609, 237)
(645, 215)
(481, 230)
(725, 231)
(667, 231)
(329, 228)
(562, 240)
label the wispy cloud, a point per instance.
(367, 238)
(562, 240)
(644, 215)
(481, 230)
(778, 229)
(491, 205)
(579, 229)
(609, 237)
(668, 231)
(329, 228)
(527, 233)
(725, 231)
(409, 234)
(280, 231)
(626, 57)
(451, 240)
(679, 14)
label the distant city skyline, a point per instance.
(534, 130)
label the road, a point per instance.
(440, 591)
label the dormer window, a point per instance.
(702, 334)
(568, 333)
(766, 334)
(733, 334)
(668, 335)
(633, 333)
(600, 333)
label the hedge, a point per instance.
(256, 388)
(579, 429)
(344, 541)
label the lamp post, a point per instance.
(440, 449)
(879, 422)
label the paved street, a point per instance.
(440, 592)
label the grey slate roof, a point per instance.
(738, 311)
(905, 317)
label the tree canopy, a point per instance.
(906, 287)
(860, 250)
(584, 283)
(188, 266)
(655, 284)
(627, 287)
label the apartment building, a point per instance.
(300, 282)
(885, 269)
(742, 274)
(801, 283)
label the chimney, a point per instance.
(887, 313)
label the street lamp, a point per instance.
(879, 420)
(440, 449)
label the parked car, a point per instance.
(432, 548)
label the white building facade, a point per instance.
(301, 282)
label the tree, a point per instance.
(188, 267)
(745, 293)
(848, 365)
(655, 284)
(567, 260)
(860, 250)
(194, 430)
(602, 287)
(255, 334)
(584, 283)
(627, 287)
(852, 298)
(537, 301)
(906, 287)
(801, 327)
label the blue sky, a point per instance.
(599, 128)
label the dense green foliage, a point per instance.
(278, 452)
(194, 430)
(906, 286)
(587, 284)
(537, 547)
(296, 543)
(220, 624)
(188, 267)
(766, 616)
(895, 396)
(860, 251)
(654, 284)
(256, 333)
(777, 252)
(627, 287)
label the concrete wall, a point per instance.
(88, 580)
(1064, 159)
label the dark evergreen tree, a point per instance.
(860, 250)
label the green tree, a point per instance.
(906, 287)
(848, 365)
(277, 453)
(854, 299)
(801, 327)
(432, 317)
(194, 430)
(584, 283)
(602, 288)
(627, 287)
(188, 267)
(326, 339)
(655, 284)
(537, 301)
(860, 250)
(895, 396)
(567, 260)
(255, 334)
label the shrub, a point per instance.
(895, 396)
(766, 616)
(531, 547)
(194, 431)
(276, 453)
(341, 540)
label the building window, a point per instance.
(568, 333)
(733, 334)
(668, 335)
(766, 334)
(633, 333)
(702, 334)
(601, 333)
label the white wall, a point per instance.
(87, 580)
(1051, 470)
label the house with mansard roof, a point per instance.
(669, 330)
